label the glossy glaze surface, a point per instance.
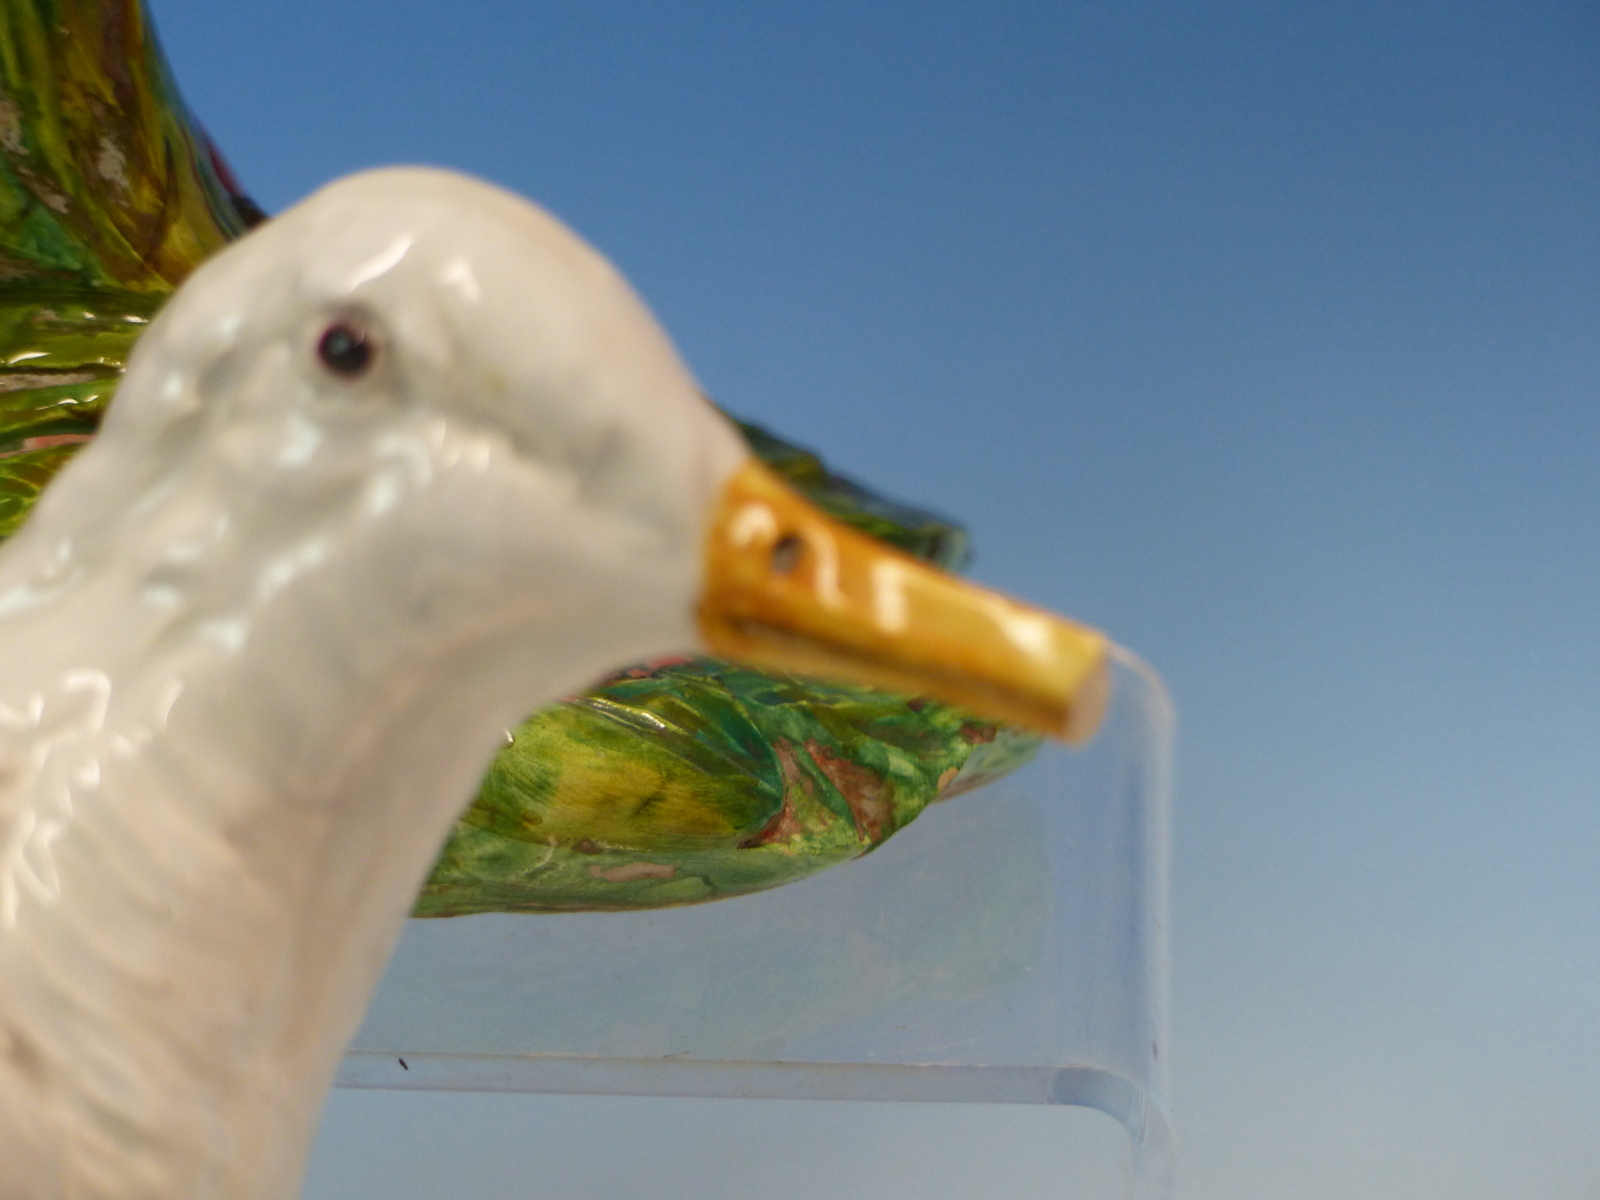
(780, 566)
(806, 775)
(110, 194)
(264, 634)
(266, 631)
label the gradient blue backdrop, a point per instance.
(1264, 335)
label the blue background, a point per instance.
(1265, 336)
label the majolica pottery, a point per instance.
(675, 782)
(404, 464)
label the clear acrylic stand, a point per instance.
(1009, 946)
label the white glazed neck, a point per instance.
(224, 840)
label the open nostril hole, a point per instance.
(786, 553)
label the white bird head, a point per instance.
(436, 385)
(430, 394)
(406, 462)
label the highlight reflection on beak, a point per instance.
(792, 589)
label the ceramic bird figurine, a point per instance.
(402, 465)
(676, 781)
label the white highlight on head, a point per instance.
(381, 263)
(459, 274)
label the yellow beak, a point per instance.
(792, 589)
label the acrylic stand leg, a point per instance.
(1008, 947)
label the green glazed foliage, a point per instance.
(694, 780)
(105, 181)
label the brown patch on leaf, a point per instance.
(646, 669)
(29, 445)
(111, 163)
(588, 846)
(668, 660)
(21, 381)
(42, 188)
(629, 872)
(11, 126)
(785, 823)
(974, 734)
(863, 789)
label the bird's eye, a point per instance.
(345, 349)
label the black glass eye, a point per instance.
(345, 349)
